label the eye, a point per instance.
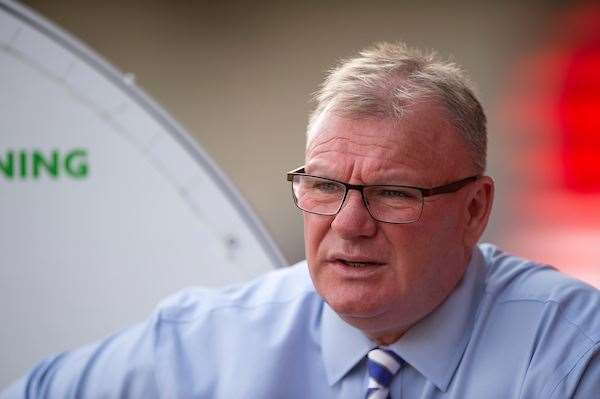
(326, 187)
(393, 193)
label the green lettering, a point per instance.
(23, 163)
(7, 166)
(38, 161)
(80, 169)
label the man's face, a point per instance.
(382, 277)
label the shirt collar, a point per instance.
(343, 345)
(433, 346)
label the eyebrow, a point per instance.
(390, 180)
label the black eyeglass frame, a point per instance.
(425, 192)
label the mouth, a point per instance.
(358, 264)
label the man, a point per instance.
(396, 298)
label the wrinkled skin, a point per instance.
(407, 269)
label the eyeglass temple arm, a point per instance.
(449, 188)
(290, 174)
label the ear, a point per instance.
(478, 209)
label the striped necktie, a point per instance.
(382, 365)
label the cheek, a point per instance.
(443, 223)
(418, 247)
(438, 236)
(418, 274)
(315, 229)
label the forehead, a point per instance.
(421, 147)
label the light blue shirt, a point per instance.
(511, 329)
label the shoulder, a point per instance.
(511, 279)
(546, 322)
(282, 306)
(269, 318)
(276, 289)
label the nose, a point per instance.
(354, 219)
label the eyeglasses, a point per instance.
(385, 203)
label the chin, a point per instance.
(371, 322)
(354, 306)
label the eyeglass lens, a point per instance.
(393, 204)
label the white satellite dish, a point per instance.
(106, 204)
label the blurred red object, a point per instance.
(554, 105)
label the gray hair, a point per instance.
(387, 79)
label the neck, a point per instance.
(387, 339)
